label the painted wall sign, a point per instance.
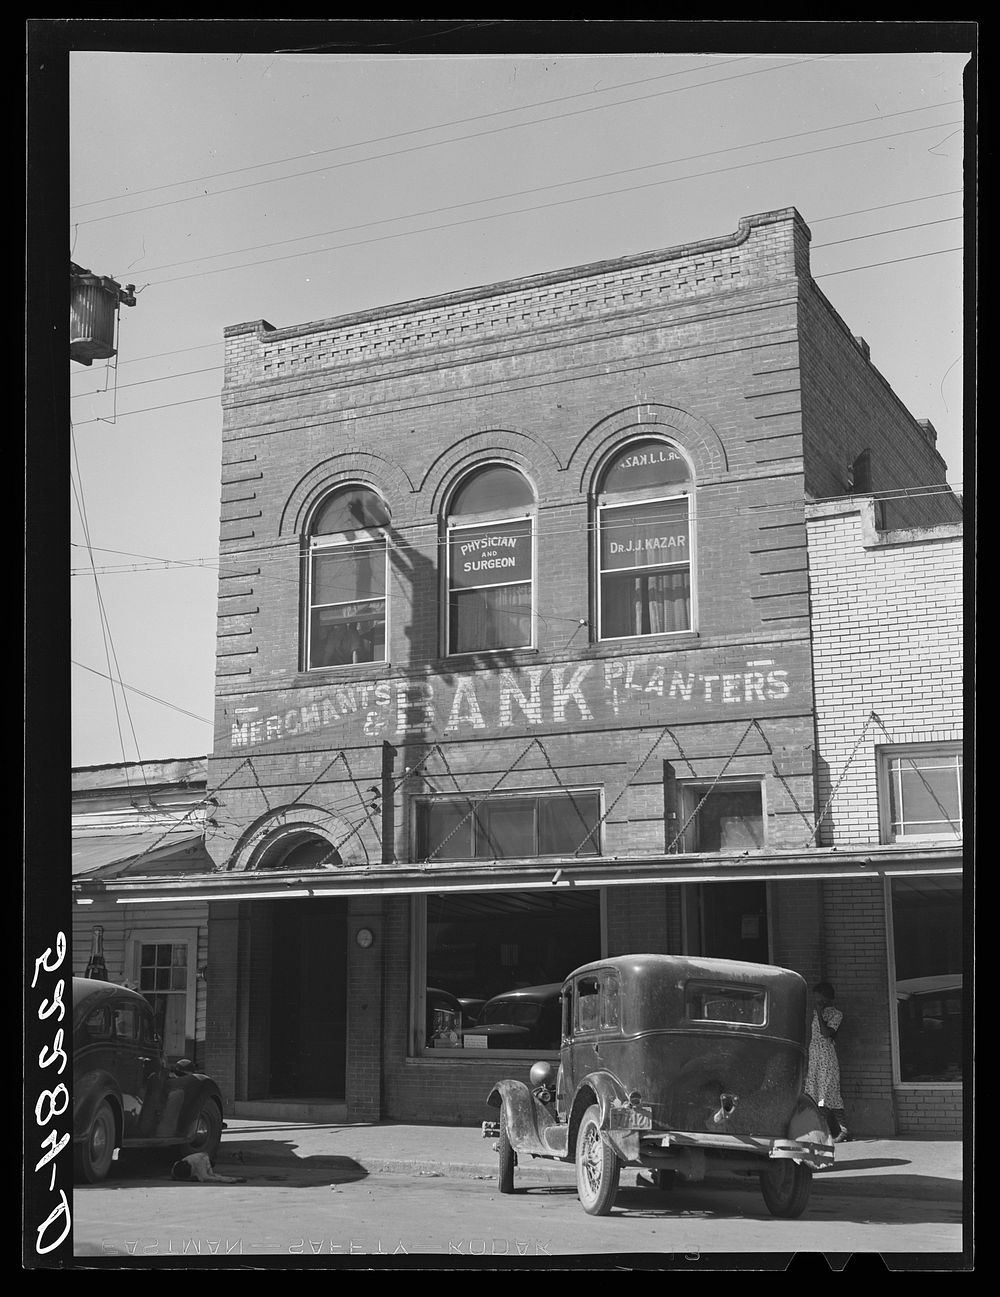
(494, 555)
(563, 694)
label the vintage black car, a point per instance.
(528, 1017)
(690, 1068)
(125, 1093)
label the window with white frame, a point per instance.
(921, 792)
(347, 574)
(509, 826)
(490, 562)
(163, 974)
(644, 542)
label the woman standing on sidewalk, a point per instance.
(823, 1072)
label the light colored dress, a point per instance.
(823, 1072)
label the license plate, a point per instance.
(640, 1119)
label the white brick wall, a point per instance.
(887, 638)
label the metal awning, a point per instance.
(523, 875)
(102, 856)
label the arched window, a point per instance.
(490, 548)
(644, 542)
(347, 573)
(299, 851)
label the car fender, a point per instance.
(532, 1126)
(184, 1096)
(602, 1088)
(807, 1125)
(89, 1092)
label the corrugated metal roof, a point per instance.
(111, 855)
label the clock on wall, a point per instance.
(364, 937)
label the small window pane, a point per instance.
(568, 823)
(347, 634)
(610, 1001)
(635, 604)
(708, 1003)
(646, 463)
(348, 573)
(489, 556)
(492, 488)
(483, 621)
(925, 794)
(644, 535)
(97, 1024)
(507, 829)
(355, 509)
(587, 1005)
(445, 830)
(126, 1023)
(730, 820)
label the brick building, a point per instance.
(514, 658)
(887, 657)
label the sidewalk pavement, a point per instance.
(901, 1168)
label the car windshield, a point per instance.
(521, 1013)
(705, 1002)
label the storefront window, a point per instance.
(927, 949)
(495, 964)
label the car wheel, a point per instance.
(598, 1169)
(508, 1158)
(94, 1155)
(785, 1186)
(208, 1131)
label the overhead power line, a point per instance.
(214, 396)
(204, 346)
(132, 689)
(857, 238)
(313, 154)
(539, 207)
(434, 144)
(538, 189)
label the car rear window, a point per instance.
(713, 1002)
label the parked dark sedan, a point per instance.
(690, 1068)
(125, 1093)
(525, 1018)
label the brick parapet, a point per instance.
(764, 249)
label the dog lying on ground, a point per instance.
(197, 1166)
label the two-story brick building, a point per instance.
(514, 657)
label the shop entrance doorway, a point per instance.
(728, 921)
(309, 1000)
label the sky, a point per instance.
(298, 187)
